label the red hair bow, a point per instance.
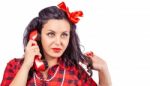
(73, 16)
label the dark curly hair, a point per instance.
(72, 55)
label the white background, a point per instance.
(116, 30)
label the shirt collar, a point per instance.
(52, 69)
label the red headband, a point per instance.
(73, 16)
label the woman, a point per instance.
(57, 44)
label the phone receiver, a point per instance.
(39, 65)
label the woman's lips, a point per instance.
(56, 49)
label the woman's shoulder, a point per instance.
(15, 61)
(11, 69)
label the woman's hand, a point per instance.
(30, 52)
(98, 63)
(101, 66)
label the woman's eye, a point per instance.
(51, 34)
(64, 35)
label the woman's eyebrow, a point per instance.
(56, 31)
(51, 30)
(65, 31)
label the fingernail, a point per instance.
(92, 54)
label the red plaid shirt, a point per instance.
(55, 73)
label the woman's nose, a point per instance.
(57, 41)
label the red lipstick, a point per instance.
(56, 49)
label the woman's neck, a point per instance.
(50, 60)
(51, 63)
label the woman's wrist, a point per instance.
(25, 66)
(102, 67)
(104, 76)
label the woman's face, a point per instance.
(55, 36)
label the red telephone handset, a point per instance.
(39, 65)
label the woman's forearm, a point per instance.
(21, 77)
(104, 77)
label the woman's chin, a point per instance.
(56, 55)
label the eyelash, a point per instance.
(64, 34)
(51, 34)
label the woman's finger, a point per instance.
(31, 43)
(89, 54)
